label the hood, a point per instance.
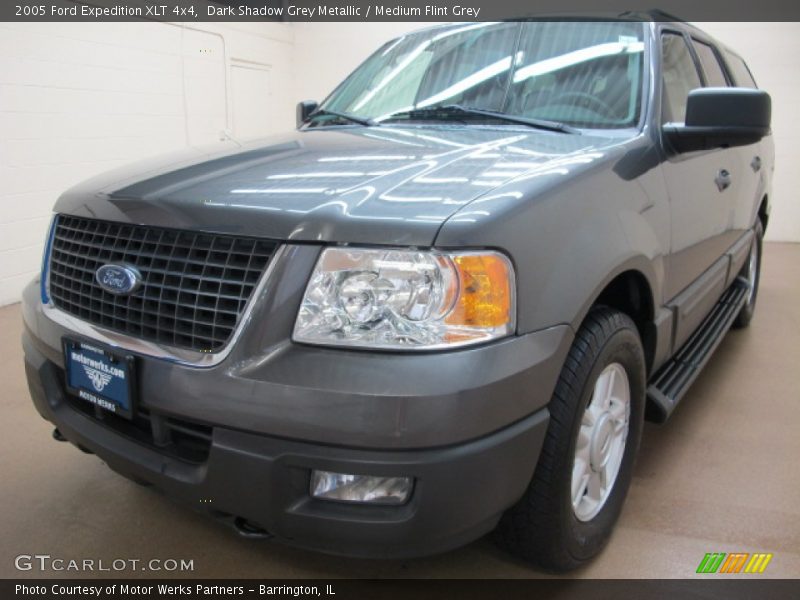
(377, 185)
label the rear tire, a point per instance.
(551, 526)
(751, 271)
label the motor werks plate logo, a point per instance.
(735, 562)
(99, 379)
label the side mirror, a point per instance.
(721, 118)
(304, 109)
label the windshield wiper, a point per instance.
(347, 117)
(454, 110)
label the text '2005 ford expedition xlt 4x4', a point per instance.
(443, 306)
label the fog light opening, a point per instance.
(362, 489)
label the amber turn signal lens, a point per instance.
(485, 291)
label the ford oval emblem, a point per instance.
(118, 278)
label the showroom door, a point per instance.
(253, 112)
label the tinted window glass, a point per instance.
(680, 77)
(469, 65)
(585, 74)
(715, 76)
(741, 74)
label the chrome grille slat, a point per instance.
(195, 284)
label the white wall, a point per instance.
(80, 98)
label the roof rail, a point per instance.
(655, 14)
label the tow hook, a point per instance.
(250, 530)
(59, 437)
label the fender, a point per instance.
(578, 228)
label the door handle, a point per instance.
(723, 180)
(755, 164)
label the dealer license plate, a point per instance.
(99, 376)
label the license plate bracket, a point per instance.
(101, 376)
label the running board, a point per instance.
(673, 380)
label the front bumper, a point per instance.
(268, 428)
(459, 492)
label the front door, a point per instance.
(703, 188)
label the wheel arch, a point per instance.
(763, 212)
(630, 290)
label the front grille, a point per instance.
(195, 285)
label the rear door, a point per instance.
(756, 156)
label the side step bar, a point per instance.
(673, 380)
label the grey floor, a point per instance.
(721, 476)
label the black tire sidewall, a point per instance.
(584, 539)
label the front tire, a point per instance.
(566, 516)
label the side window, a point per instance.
(741, 74)
(679, 76)
(715, 76)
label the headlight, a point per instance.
(407, 299)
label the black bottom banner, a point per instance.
(584, 589)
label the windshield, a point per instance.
(584, 74)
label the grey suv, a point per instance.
(443, 306)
